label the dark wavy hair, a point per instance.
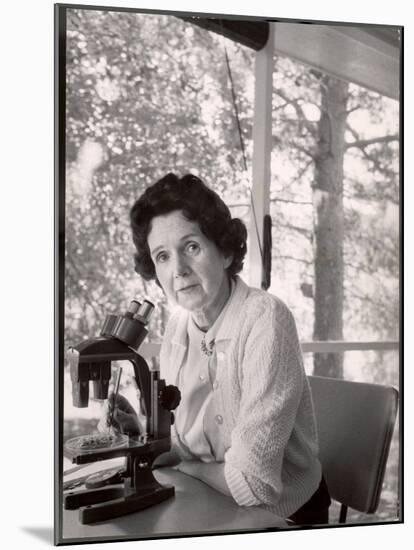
(198, 203)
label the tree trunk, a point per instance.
(329, 224)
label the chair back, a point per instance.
(355, 424)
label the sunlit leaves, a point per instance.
(146, 94)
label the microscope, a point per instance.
(122, 491)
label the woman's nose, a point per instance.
(181, 267)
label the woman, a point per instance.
(245, 424)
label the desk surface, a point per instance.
(196, 508)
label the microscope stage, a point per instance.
(94, 442)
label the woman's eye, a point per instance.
(161, 257)
(193, 248)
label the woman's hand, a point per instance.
(120, 415)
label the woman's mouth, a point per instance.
(186, 289)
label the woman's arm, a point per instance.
(272, 378)
(170, 458)
(211, 473)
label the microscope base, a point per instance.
(110, 502)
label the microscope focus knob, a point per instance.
(170, 397)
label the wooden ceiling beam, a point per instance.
(347, 52)
(253, 34)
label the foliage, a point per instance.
(371, 202)
(139, 107)
(149, 94)
(136, 109)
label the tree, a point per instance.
(146, 94)
(351, 176)
(139, 106)
(329, 223)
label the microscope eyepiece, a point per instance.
(144, 312)
(132, 308)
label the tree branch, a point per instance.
(310, 154)
(353, 109)
(288, 201)
(364, 298)
(377, 196)
(362, 143)
(301, 230)
(376, 163)
(75, 280)
(293, 259)
(299, 111)
(307, 203)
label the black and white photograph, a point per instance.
(228, 274)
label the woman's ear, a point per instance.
(228, 260)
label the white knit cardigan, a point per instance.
(263, 398)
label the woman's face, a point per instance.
(190, 268)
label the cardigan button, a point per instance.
(219, 419)
(215, 385)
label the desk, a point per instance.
(196, 508)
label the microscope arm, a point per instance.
(143, 382)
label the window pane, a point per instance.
(335, 205)
(146, 95)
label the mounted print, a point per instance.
(227, 274)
